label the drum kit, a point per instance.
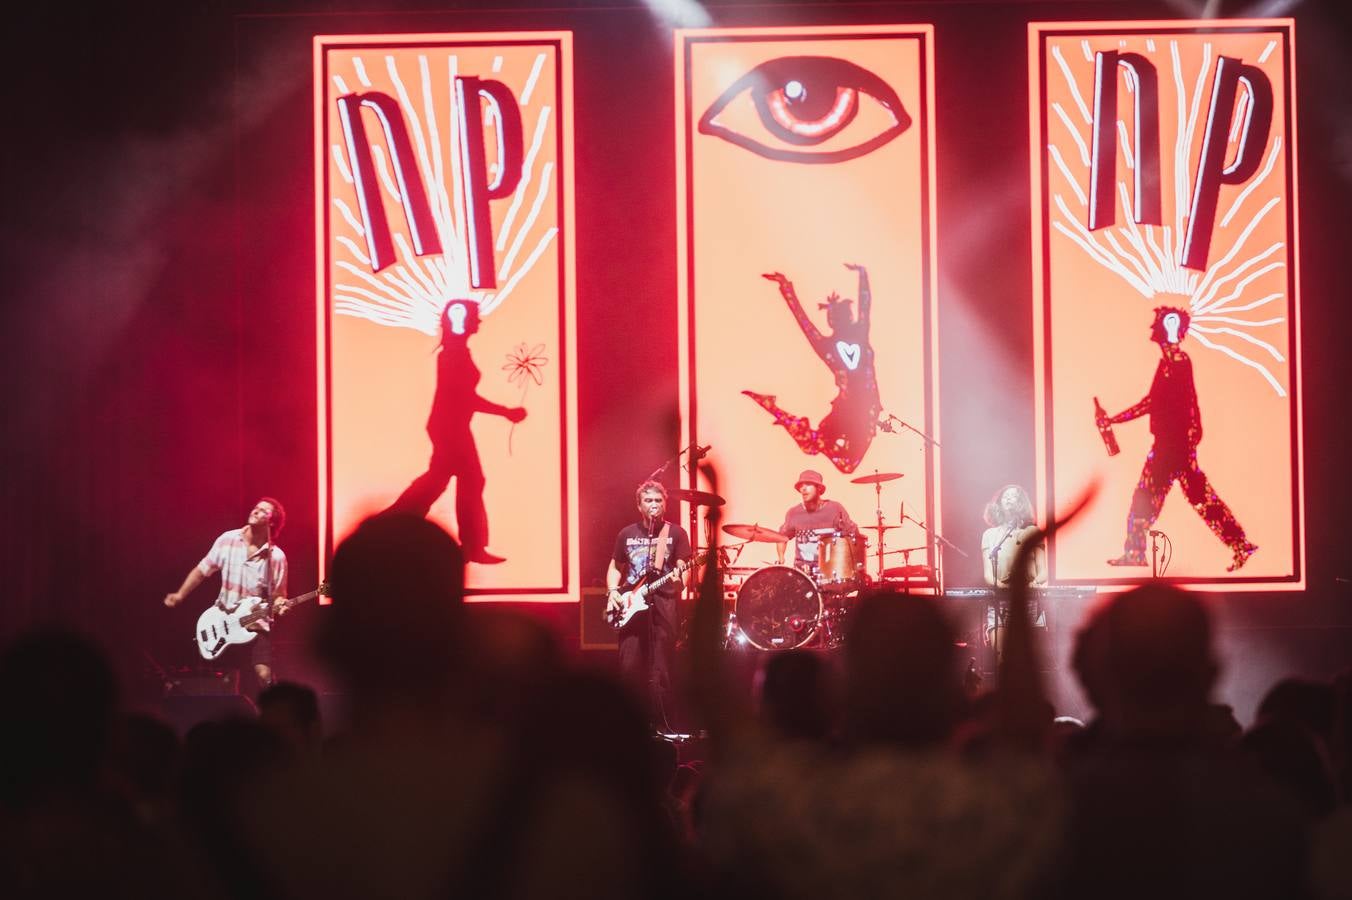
(808, 603)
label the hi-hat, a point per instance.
(880, 527)
(696, 498)
(756, 533)
(876, 478)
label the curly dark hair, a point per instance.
(1023, 515)
(278, 519)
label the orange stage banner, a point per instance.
(1165, 291)
(805, 179)
(446, 308)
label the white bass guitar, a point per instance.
(218, 629)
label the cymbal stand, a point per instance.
(878, 510)
(938, 542)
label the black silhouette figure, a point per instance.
(454, 453)
(1176, 423)
(844, 434)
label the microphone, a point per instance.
(700, 452)
(886, 425)
(1158, 534)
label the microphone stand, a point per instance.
(939, 555)
(661, 470)
(889, 420)
(995, 555)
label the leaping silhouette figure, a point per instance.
(845, 433)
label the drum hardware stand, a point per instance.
(939, 542)
(877, 479)
(891, 424)
(878, 512)
(905, 563)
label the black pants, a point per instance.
(647, 645)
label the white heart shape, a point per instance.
(849, 353)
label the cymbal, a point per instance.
(908, 572)
(696, 498)
(756, 533)
(876, 478)
(879, 527)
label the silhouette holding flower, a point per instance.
(454, 452)
(522, 367)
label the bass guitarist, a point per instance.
(251, 565)
(644, 551)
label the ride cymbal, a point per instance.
(696, 498)
(756, 533)
(876, 478)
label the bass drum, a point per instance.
(779, 608)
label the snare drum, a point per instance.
(779, 608)
(841, 558)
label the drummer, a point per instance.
(812, 515)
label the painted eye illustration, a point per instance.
(806, 101)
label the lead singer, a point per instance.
(653, 547)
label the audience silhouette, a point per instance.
(478, 760)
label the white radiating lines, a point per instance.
(359, 66)
(1237, 281)
(1254, 183)
(536, 140)
(412, 292)
(532, 79)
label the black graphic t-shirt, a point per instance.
(636, 552)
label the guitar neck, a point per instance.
(263, 612)
(694, 561)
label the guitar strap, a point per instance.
(660, 553)
(267, 572)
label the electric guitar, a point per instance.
(635, 600)
(218, 629)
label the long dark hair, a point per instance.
(1023, 515)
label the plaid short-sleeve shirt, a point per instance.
(261, 575)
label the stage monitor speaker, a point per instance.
(183, 712)
(192, 696)
(595, 633)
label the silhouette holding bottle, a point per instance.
(1176, 423)
(454, 452)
